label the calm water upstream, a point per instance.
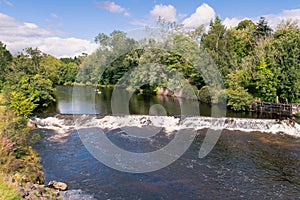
(253, 159)
(89, 102)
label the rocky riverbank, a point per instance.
(33, 191)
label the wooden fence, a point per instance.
(275, 108)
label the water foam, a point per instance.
(170, 124)
(76, 195)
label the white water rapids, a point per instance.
(62, 125)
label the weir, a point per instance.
(170, 124)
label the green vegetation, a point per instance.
(7, 190)
(255, 62)
(17, 157)
(27, 83)
(28, 79)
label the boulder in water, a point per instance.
(58, 185)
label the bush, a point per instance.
(29, 94)
(204, 95)
(16, 156)
(297, 115)
(239, 99)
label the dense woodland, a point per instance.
(254, 61)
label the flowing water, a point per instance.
(253, 158)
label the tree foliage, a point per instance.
(254, 62)
(5, 60)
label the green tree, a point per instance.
(27, 87)
(242, 39)
(219, 43)
(67, 73)
(5, 60)
(50, 67)
(283, 55)
(266, 82)
(238, 97)
(263, 30)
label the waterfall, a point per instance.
(65, 123)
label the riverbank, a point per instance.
(21, 174)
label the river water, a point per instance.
(252, 159)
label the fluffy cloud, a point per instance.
(273, 19)
(112, 7)
(203, 15)
(232, 22)
(168, 12)
(19, 35)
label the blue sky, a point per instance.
(66, 28)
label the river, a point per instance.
(252, 159)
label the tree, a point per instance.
(242, 39)
(263, 30)
(266, 82)
(50, 67)
(219, 43)
(27, 87)
(5, 60)
(238, 97)
(285, 25)
(283, 55)
(67, 73)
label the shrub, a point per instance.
(16, 156)
(239, 99)
(204, 94)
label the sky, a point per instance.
(65, 28)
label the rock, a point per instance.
(40, 192)
(33, 196)
(58, 185)
(9, 179)
(29, 186)
(40, 189)
(31, 125)
(23, 193)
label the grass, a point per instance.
(1, 99)
(8, 190)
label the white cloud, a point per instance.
(19, 35)
(203, 15)
(66, 47)
(275, 19)
(168, 12)
(112, 7)
(6, 2)
(272, 19)
(53, 15)
(9, 27)
(232, 22)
